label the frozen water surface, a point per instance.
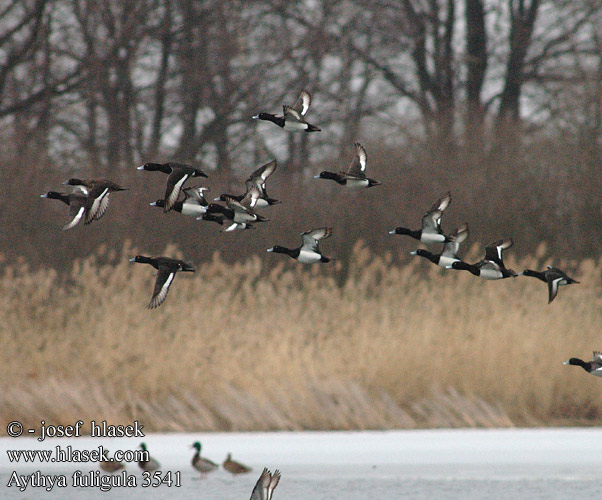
(423, 464)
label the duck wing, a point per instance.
(302, 103)
(451, 247)
(311, 238)
(494, 251)
(97, 203)
(432, 219)
(553, 283)
(260, 175)
(442, 203)
(238, 206)
(254, 193)
(195, 195)
(260, 491)
(275, 479)
(77, 208)
(162, 284)
(357, 168)
(291, 114)
(175, 181)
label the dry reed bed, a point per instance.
(285, 346)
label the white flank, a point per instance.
(309, 257)
(193, 210)
(446, 262)
(431, 237)
(490, 274)
(356, 183)
(294, 126)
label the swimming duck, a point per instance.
(553, 276)
(492, 266)
(148, 465)
(242, 217)
(110, 465)
(203, 465)
(450, 249)
(594, 366)
(265, 485)
(167, 268)
(77, 205)
(355, 177)
(293, 118)
(431, 224)
(308, 252)
(234, 467)
(178, 173)
(98, 191)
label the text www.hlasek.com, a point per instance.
(68, 454)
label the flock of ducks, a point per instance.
(89, 200)
(201, 464)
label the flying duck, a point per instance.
(431, 224)
(148, 465)
(77, 205)
(98, 191)
(193, 204)
(450, 249)
(492, 266)
(355, 177)
(256, 194)
(242, 217)
(203, 465)
(293, 117)
(178, 173)
(553, 276)
(308, 252)
(234, 467)
(594, 366)
(187, 208)
(167, 271)
(110, 465)
(266, 484)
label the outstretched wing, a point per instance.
(553, 279)
(175, 181)
(260, 491)
(494, 251)
(237, 206)
(162, 284)
(273, 483)
(262, 173)
(77, 208)
(311, 238)
(442, 203)
(97, 203)
(358, 164)
(451, 247)
(302, 103)
(254, 193)
(291, 114)
(195, 195)
(432, 219)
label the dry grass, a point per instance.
(285, 346)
